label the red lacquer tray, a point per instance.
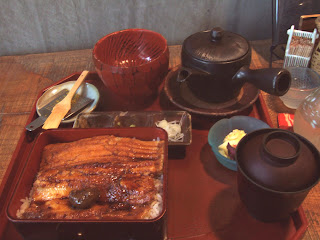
(203, 201)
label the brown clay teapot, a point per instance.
(215, 65)
(276, 170)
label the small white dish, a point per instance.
(87, 90)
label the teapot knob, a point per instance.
(216, 34)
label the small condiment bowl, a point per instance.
(85, 90)
(223, 127)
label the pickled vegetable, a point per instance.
(173, 129)
(232, 139)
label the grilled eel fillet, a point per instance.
(125, 170)
(105, 148)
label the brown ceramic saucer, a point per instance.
(180, 95)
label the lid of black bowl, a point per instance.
(216, 46)
(278, 160)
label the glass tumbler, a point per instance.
(307, 118)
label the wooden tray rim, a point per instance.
(6, 189)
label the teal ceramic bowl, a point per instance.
(223, 127)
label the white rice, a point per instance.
(157, 204)
(25, 204)
(155, 207)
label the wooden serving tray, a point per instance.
(203, 201)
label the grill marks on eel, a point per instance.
(123, 169)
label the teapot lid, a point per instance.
(216, 45)
(278, 160)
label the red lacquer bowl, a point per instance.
(132, 63)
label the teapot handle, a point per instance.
(275, 81)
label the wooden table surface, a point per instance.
(23, 77)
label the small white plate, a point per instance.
(87, 90)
